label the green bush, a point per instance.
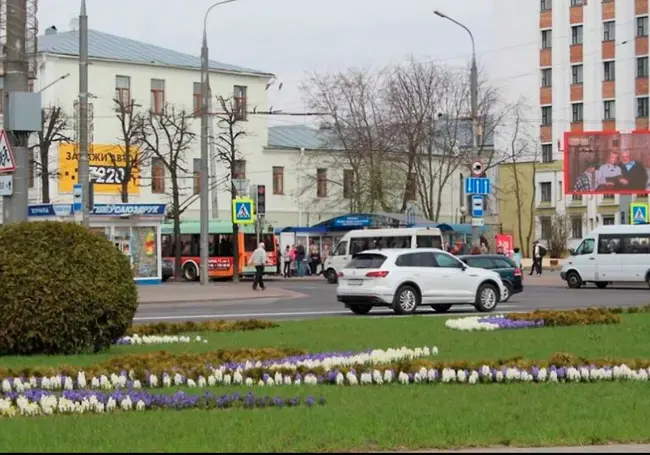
(64, 289)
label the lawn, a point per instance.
(376, 417)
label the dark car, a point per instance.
(167, 269)
(510, 274)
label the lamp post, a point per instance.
(473, 81)
(55, 81)
(203, 171)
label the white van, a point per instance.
(370, 239)
(608, 254)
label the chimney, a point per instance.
(51, 30)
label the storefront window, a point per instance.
(144, 255)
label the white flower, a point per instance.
(111, 404)
(366, 378)
(448, 375)
(278, 378)
(461, 375)
(201, 382)
(137, 384)
(126, 404)
(212, 381)
(68, 384)
(352, 378)
(388, 376)
(249, 382)
(471, 323)
(6, 386)
(178, 379)
(499, 376)
(140, 406)
(94, 383)
(473, 377)
(260, 383)
(287, 380)
(552, 377)
(403, 378)
(198, 339)
(81, 380)
(270, 381)
(227, 379)
(191, 383)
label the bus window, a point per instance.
(250, 242)
(190, 245)
(428, 241)
(269, 242)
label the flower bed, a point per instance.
(157, 339)
(42, 402)
(175, 328)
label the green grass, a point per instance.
(376, 417)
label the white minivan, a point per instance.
(608, 254)
(359, 240)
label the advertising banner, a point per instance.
(600, 162)
(505, 243)
(107, 162)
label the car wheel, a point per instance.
(507, 293)
(360, 309)
(487, 298)
(190, 273)
(601, 284)
(406, 300)
(441, 308)
(573, 280)
(331, 277)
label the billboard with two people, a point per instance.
(606, 162)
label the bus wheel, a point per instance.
(189, 272)
(331, 276)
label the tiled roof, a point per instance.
(111, 47)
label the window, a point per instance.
(157, 95)
(321, 182)
(586, 247)
(341, 249)
(547, 116)
(576, 228)
(642, 67)
(577, 2)
(366, 261)
(359, 244)
(609, 110)
(609, 71)
(348, 183)
(504, 263)
(642, 106)
(609, 220)
(635, 244)
(576, 34)
(239, 170)
(447, 261)
(545, 5)
(479, 262)
(123, 90)
(157, 176)
(545, 191)
(642, 26)
(278, 180)
(608, 196)
(547, 39)
(609, 244)
(577, 197)
(428, 241)
(609, 31)
(240, 105)
(547, 153)
(196, 175)
(411, 187)
(546, 227)
(416, 260)
(576, 74)
(196, 99)
(547, 77)
(577, 112)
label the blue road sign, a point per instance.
(478, 208)
(638, 213)
(77, 197)
(478, 185)
(243, 211)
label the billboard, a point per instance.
(107, 161)
(606, 162)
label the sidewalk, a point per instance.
(194, 292)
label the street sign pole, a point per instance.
(479, 187)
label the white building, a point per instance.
(580, 66)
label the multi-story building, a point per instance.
(578, 65)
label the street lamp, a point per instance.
(203, 171)
(473, 81)
(55, 81)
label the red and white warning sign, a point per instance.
(7, 161)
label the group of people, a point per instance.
(620, 172)
(298, 261)
(515, 255)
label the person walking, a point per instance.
(300, 259)
(516, 257)
(537, 259)
(258, 259)
(286, 262)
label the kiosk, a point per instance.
(133, 228)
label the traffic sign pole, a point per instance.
(479, 187)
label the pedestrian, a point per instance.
(300, 259)
(258, 259)
(315, 260)
(476, 250)
(516, 257)
(286, 262)
(538, 253)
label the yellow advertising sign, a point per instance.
(106, 161)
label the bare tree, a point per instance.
(560, 234)
(132, 157)
(356, 127)
(54, 128)
(167, 136)
(229, 133)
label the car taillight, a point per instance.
(517, 271)
(378, 274)
(340, 274)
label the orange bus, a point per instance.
(221, 249)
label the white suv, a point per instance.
(404, 279)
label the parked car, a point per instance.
(404, 279)
(510, 274)
(167, 269)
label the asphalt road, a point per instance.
(320, 301)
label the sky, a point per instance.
(289, 37)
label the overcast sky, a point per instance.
(289, 37)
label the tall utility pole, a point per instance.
(84, 167)
(214, 194)
(473, 87)
(22, 110)
(204, 168)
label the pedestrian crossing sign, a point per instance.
(639, 213)
(243, 211)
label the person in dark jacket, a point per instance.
(300, 260)
(634, 177)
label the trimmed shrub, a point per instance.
(65, 290)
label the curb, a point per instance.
(262, 296)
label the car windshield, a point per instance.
(366, 261)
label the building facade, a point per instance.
(577, 65)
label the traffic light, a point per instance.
(261, 200)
